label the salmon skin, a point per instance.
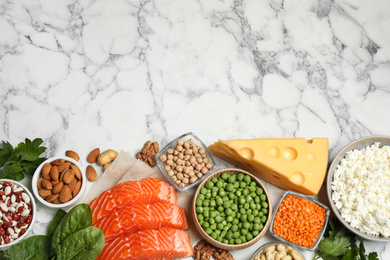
(144, 191)
(152, 244)
(142, 216)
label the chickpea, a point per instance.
(179, 176)
(170, 173)
(179, 148)
(180, 162)
(187, 157)
(185, 180)
(188, 151)
(182, 185)
(179, 168)
(204, 170)
(175, 152)
(186, 145)
(191, 173)
(179, 142)
(174, 178)
(191, 141)
(187, 163)
(203, 164)
(181, 156)
(163, 157)
(209, 165)
(170, 157)
(198, 167)
(170, 162)
(200, 175)
(195, 149)
(193, 179)
(170, 151)
(192, 160)
(202, 150)
(178, 182)
(205, 160)
(199, 159)
(167, 167)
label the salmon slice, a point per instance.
(130, 193)
(160, 244)
(142, 216)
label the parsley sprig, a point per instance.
(341, 244)
(23, 159)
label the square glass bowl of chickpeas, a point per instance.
(185, 161)
(299, 220)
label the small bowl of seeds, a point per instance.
(185, 161)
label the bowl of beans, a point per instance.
(274, 250)
(358, 187)
(17, 212)
(185, 161)
(231, 209)
(299, 220)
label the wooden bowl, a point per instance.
(216, 243)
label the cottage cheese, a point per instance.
(361, 189)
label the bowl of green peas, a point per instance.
(231, 209)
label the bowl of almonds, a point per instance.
(59, 182)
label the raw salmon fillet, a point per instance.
(160, 244)
(142, 216)
(130, 193)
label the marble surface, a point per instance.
(113, 74)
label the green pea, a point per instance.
(213, 203)
(253, 194)
(264, 205)
(232, 179)
(206, 213)
(241, 200)
(256, 227)
(259, 191)
(225, 241)
(200, 217)
(255, 212)
(261, 226)
(234, 207)
(219, 239)
(251, 218)
(215, 188)
(253, 184)
(265, 211)
(199, 202)
(263, 197)
(258, 206)
(257, 220)
(220, 226)
(243, 238)
(214, 235)
(213, 214)
(253, 206)
(203, 190)
(252, 189)
(229, 235)
(219, 202)
(249, 198)
(244, 231)
(247, 178)
(234, 228)
(233, 214)
(209, 230)
(235, 221)
(238, 193)
(238, 215)
(206, 203)
(206, 224)
(225, 198)
(218, 231)
(236, 185)
(199, 209)
(214, 194)
(245, 192)
(227, 204)
(238, 241)
(218, 219)
(228, 211)
(232, 196)
(220, 183)
(263, 219)
(249, 236)
(255, 233)
(209, 185)
(243, 218)
(242, 184)
(220, 208)
(214, 180)
(213, 226)
(240, 176)
(226, 228)
(242, 211)
(223, 233)
(246, 225)
(211, 221)
(229, 218)
(261, 213)
(246, 206)
(225, 176)
(222, 193)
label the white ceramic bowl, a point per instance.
(34, 210)
(71, 202)
(358, 144)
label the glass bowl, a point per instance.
(327, 213)
(261, 248)
(171, 145)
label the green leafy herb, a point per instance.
(60, 214)
(32, 248)
(78, 218)
(341, 247)
(23, 159)
(85, 244)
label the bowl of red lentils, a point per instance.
(185, 161)
(299, 220)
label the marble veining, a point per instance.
(113, 74)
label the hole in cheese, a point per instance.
(297, 178)
(310, 141)
(290, 153)
(274, 151)
(246, 152)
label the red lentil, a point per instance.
(299, 220)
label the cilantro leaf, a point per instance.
(351, 254)
(334, 246)
(5, 153)
(362, 251)
(329, 257)
(12, 171)
(30, 167)
(373, 256)
(30, 151)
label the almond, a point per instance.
(68, 176)
(39, 183)
(46, 184)
(53, 173)
(57, 162)
(44, 193)
(54, 182)
(72, 184)
(46, 170)
(73, 155)
(58, 187)
(64, 166)
(76, 188)
(91, 173)
(93, 155)
(65, 194)
(52, 197)
(77, 172)
(56, 201)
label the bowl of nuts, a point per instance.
(278, 250)
(59, 182)
(185, 161)
(17, 212)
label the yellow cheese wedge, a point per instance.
(292, 164)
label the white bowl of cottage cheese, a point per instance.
(358, 187)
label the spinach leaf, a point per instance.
(85, 244)
(32, 248)
(78, 218)
(56, 220)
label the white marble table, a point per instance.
(113, 74)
